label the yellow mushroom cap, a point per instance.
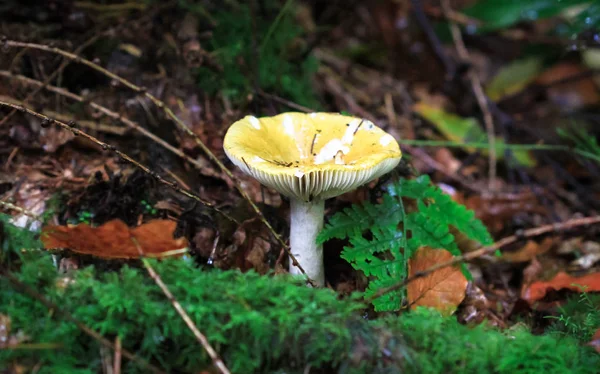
(311, 156)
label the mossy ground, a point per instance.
(257, 323)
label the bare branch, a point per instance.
(491, 249)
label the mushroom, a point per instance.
(310, 158)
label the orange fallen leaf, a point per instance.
(443, 289)
(114, 239)
(537, 290)
(530, 250)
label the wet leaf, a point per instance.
(114, 239)
(537, 290)
(443, 289)
(467, 130)
(498, 14)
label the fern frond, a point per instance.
(426, 231)
(388, 302)
(447, 211)
(380, 247)
(359, 218)
(384, 239)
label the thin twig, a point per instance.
(283, 101)
(169, 114)
(512, 147)
(25, 288)
(182, 313)
(438, 48)
(120, 154)
(480, 96)
(61, 67)
(109, 113)
(488, 250)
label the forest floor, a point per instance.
(116, 113)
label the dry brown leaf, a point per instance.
(537, 290)
(443, 289)
(114, 239)
(574, 94)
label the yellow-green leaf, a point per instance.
(467, 130)
(513, 77)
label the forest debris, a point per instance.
(8, 338)
(443, 289)
(571, 94)
(474, 307)
(537, 290)
(249, 248)
(532, 271)
(4, 330)
(587, 252)
(115, 239)
(32, 198)
(496, 210)
(446, 159)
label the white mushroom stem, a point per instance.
(306, 223)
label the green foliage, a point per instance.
(499, 14)
(514, 76)
(280, 67)
(257, 324)
(380, 246)
(579, 318)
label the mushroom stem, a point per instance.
(306, 223)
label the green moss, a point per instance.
(281, 67)
(441, 345)
(257, 323)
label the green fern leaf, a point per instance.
(412, 188)
(426, 231)
(384, 239)
(390, 301)
(359, 218)
(380, 247)
(447, 211)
